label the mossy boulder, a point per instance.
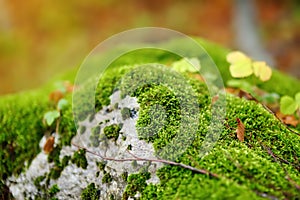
(265, 165)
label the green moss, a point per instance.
(136, 183)
(95, 136)
(4, 191)
(53, 190)
(67, 129)
(21, 129)
(262, 128)
(58, 167)
(125, 112)
(38, 180)
(82, 129)
(79, 159)
(55, 172)
(44, 192)
(124, 176)
(90, 193)
(101, 165)
(106, 178)
(247, 169)
(54, 155)
(112, 131)
(111, 197)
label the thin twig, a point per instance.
(57, 125)
(288, 177)
(135, 158)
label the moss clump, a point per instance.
(135, 183)
(79, 159)
(44, 192)
(124, 176)
(82, 129)
(54, 155)
(53, 190)
(125, 112)
(101, 165)
(21, 129)
(106, 178)
(38, 180)
(59, 166)
(112, 131)
(4, 191)
(247, 168)
(90, 193)
(95, 136)
(257, 176)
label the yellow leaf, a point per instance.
(241, 65)
(262, 70)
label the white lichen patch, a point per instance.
(73, 179)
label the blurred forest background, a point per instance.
(41, 38)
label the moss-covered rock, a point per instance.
(266, 165)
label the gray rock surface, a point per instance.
(74, 179)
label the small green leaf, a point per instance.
(270, 97)
(288, 105)
(187, 65)
(297, 98)
(51, 116)
(242, 84)
(62, 104)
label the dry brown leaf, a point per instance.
(240, 131)
(48, 147)
(55, 96)
(288, 119)
(198, 77)
(69, 86)
(232, 90)
(214, 99)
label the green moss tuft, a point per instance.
(125, 112)
(21, 129)
(90, 193)
(101, 165)
(136, 183)
(79, 159)
(112, 131)
(53, 190)
(106, 178)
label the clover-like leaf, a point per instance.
(62, 104)
(241, 65)
(297, 99)
(51, 116)
(262, 70)
(187, 65)
(288, 105)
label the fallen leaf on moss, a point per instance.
(231, 90)
(214, 99)
(69, 86)
(55, 96)
(240, 131)
(288, 119)
(48, 147)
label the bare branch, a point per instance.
(136, 158)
